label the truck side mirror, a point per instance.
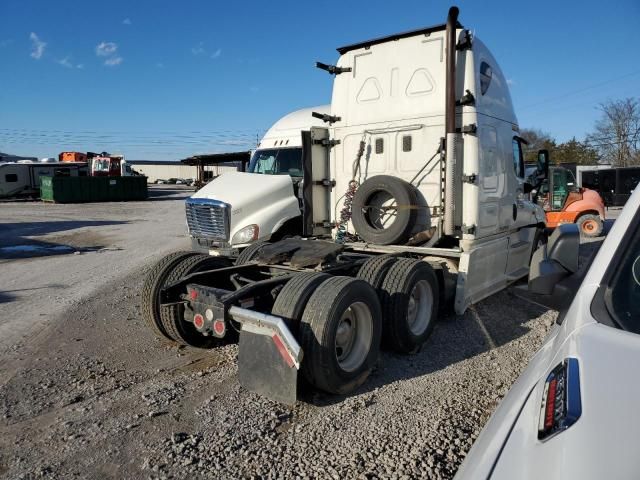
(556, 260)
(542, 166)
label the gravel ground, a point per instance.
(93, 394)
(53, 255)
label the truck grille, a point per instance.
(208, 219)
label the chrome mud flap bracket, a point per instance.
(269, 356)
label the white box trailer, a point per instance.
(22, 178)
(413, 198)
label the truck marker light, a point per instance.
(283, 350)
(561, 404)
(198, 320)
(219, 327)
(193, 294)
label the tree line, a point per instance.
(615, 139)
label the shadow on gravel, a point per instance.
(159, 193)
(16, 241)
(15, 233)
(6, 297)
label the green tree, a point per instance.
(574, 151)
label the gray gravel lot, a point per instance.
(91, 393)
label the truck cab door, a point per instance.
(317, 182)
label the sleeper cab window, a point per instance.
(518, 158)
(379, 145)
(486, 73)
(11, 178)
(406, 143)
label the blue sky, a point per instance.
(163, 80)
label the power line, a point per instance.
(582, 90)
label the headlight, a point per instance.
(246, 235)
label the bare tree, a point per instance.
(617, 132)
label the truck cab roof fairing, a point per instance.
(395, 36)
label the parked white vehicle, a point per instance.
(573, 413)
(23, 177)
(413, 196)
(264, 201)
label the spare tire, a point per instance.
(384, 210)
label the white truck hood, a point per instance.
(264, 200)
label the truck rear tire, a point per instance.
(410, 304)
(155, 281)
(172, 317)
(250, 252)
(384, 210)
(375, 269)
(293, 298)
(590, 225)
(340, 334)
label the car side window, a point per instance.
(518, 158)
(622, 297)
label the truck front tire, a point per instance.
(251, 252)
(340, 334)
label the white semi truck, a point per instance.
(260, 205)
(412, 198)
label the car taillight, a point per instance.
(561, 404)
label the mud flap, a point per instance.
(262, 369)
(269, 356)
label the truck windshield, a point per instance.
(277, 161)
(101, 165)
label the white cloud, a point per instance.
(110, 51)
(37, 46)
(199, 49)
(113, 61)
(106, 49)
(217, 53)
(511, 81)
(65, 62)
(126, 21)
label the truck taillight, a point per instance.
(561, 403)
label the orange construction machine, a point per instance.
(72, 157)
(564, 202)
